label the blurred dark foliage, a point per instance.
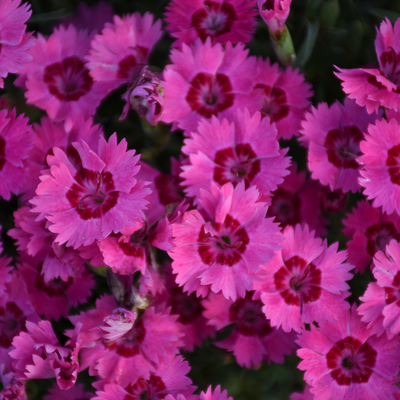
(325, 33)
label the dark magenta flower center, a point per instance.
(390, 64)
(209, 95)
(127, 345)
(379, 235)
(226, 246)
(214, 19)
(188, 307)
(236, 164)
(130, 66)
(93, 195)
(68, 80)
(298, 281)
(12, 321)
(393, 162)
(151, 389)
(351, 361)
(343, 146)
(285, 207)
(274, 103)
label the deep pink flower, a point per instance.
(252, 340)
(225, 250)
(75, 393)
(168, 378)
(370, 230)
(55, 297)
(380, 175)
(57, 78)
(274, 13)
(244, 151)
(333, 138)
(296, 201)
(91, 202)
(12, 388)
(16, 139)
(217, 395)
(381, 301)
(206, 80)
(332, 201)
(343, 361)
(121, 50)
(5, 270)
(305, 282)
(223, 21)
(372, 87)
(284, 96)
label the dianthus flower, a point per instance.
(225, 250)
(274, 13)
(57, 78)
(371, 230)
(305, 282)
(252, 340)
(284, 96)
(380, 175)
(223, 21)
(343, 360)
(216, 395)
(121, 50)
(244, 151)
(206, 80)
(101, 197)
(372, 87)
(333, 138)
(16, 139)
(381, 301)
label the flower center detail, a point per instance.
(379, 235)
(343, 146)
(188, 307)
(298, 281)
(236, 164)
(351, 361)
(93, 195)
(12, 321)
(226, 245)
(152, 389)
(393, 162)
(214, 19)
(390, 63)
(130, 66)
(286, 207)
(68, 80)
(210, 95)
(274, 104)
(392, 293)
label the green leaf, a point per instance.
(308, 45)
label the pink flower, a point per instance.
(381, 301)
(57, 78)
(371, 230)
(75, 393)
(284, 96)
(121, 50)
(274, 13)
(16, 139)
(225, 250)
(206, 80)
(252, 340)
(333, 138)
(244, 151)
(343, 361)
(306, 395)
(305, 282)
(296, 201)
(373, 87)
(380, 175)
(223, 21)
(91, 202)
(217, 395)
(5, 270)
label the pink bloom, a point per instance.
(333, 201)
(5, 270)
(168, 379)
(75, 393)
(225, 250)
(252, 340)
(57, 78)
(381, 307)
(223, 21)
(121, 50)
(305, 282)
(371, 230)
(296, 201)
(380, 175)
(244, 151)
(217, 395)
(343, 361)
(16, 139)
(12, 388)
(284, 96)
(206, 80)
(15, 311)
(274, 13)
(91, 202)
(333, 138)
(373, 87)
(55, 297)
